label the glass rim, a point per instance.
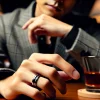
(90, 57)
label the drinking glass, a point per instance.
(91, 66)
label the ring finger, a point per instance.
(31, 92)
(42, 83)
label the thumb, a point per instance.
(48, 41)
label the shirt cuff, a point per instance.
(70, 38)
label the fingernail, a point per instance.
(76, 74)
(23, 27)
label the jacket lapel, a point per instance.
(24, 17)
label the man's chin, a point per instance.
(52, 14)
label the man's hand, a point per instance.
(21, 81)
(45, 25)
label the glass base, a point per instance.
(93, 89)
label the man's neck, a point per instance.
(37, 11)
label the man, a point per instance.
(31, 70)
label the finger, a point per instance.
(32, 33)
(47, 87)
(42, 83)
(32, 37)
(48, 72)
(28, 23)
(58, 61)
(48, 41)
(31, 92)
(33, 30)
(64, 75)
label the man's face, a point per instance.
(54, 8)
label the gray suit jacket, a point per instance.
(14, 41)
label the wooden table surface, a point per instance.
(72, 92)
(70, 95)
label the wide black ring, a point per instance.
(35, 80)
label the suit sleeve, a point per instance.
(4, 71)
(82, 43)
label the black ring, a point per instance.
(35, 79)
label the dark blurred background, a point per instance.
(10, 5)
(83, 7)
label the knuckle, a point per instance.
(56, 57)
(46, 83)
(31, 19)
(30, 28)
(33, 55)
(69, 69)
(43, 16)
(25, 63)
(21, 74)
(52, 72)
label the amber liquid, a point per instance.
(92, 81)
